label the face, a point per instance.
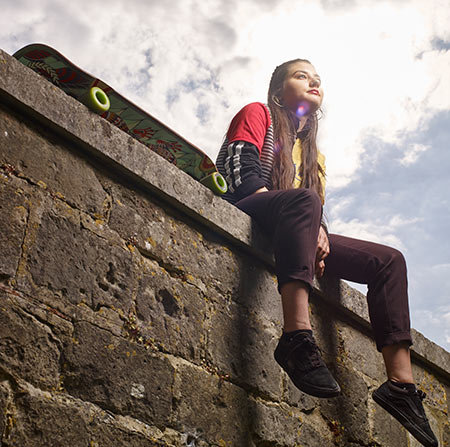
(302, 92)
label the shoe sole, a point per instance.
(313, 390)
(420, 435)
(318, 392)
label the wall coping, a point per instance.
(30, 94)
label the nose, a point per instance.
(314, 82)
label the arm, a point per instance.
(243, 169)
(241, 159)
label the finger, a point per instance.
(320, 268)
(320, 271)
(321, 255)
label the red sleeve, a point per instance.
(250, 125)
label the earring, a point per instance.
(277, 101)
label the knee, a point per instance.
(397, 257)
(393, 259)
(309, 197)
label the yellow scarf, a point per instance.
(297, 159)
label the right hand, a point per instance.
(323, 250)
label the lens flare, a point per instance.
(302, 109)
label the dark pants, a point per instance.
(291, 219)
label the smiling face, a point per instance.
(302, 92)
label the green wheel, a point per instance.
(96, 100)
(216, 183)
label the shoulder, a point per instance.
(255, 111)
(250, 124)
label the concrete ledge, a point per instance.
(32, 95)
(51, 107)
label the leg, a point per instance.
(291, 218)
(295, 299)
(383, 269)
(397, 359)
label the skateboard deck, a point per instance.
(121, 112)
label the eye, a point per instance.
(301, 76)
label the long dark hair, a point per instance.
(285, 125)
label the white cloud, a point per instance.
(435, 323)
(380, 230)
(412, 153)
(371, 231)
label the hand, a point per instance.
(320, 268)
(323, 250)
(263, 189)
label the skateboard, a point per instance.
(128, 117)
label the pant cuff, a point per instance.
(394, 338)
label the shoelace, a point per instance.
(308, 344)
(420, 394)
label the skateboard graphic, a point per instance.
(125, 115)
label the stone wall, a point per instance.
(138, 309)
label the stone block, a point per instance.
(446, 433)
(172, 240)
(281, 425)
(431, 352)
(258, 292)
(436, 392)
(41, 419)
(44, 159)
(242, 346)
(75, 264)
(171, 313)
(349, 413)
(41, 422)
(294, 397)
(28, 349)
(357, 350)
(4, 401)
(339, 293)
(118, 375)
(13, 220)
(213, 408)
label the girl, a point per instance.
(276, 174)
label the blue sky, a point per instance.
(385, 67)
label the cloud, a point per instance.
(380, 230)
(436, 324)
(412, 153)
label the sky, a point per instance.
(385, 68)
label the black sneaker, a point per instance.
(299, 356)
(406, 406)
